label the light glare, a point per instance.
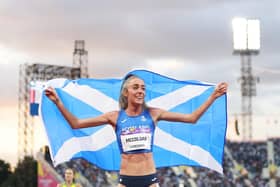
(246, 35)
(253, 34)
(239, 33)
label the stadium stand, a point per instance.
(252, 164)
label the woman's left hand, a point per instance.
(220, 89)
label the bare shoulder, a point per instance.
(112, 116)
(112, 113)
(155, 113)
(78, 185)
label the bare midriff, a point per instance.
(137, 164)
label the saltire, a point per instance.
(175, 143)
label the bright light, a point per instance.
(246, 35)
(254, 35)
(239, 26)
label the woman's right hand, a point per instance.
(52, 95)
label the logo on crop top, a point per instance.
(124, 120)
(143, 118)
(136, 129)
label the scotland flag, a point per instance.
(199, 144)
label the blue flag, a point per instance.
(175, 143)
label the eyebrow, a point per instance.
(136, 84)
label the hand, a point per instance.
(220, 89)
(52, 95)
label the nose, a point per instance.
(140, 90)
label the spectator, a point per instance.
(69, 179)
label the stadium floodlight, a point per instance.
(246, 42)
(246, 36)
(79, 45)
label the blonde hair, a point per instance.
(122, 99)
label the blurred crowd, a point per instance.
(91, 173)
(244, 164)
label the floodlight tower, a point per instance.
(80, 58)
(30, 74)
(246, 42)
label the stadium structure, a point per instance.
(30, 77)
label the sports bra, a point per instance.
(135, 134)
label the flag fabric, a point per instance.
(35, 93)
(175, 143)
(33, 105)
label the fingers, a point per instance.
(222, 87)
(49, 89)
(50, 92)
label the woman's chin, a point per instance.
(139, 102)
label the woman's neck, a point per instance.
(134, 110)
(68, 183)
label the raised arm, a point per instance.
(107, 118)
(159, 114)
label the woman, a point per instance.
(69, 179)
(134, 125)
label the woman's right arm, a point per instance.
(75, 123)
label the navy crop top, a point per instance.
(135, 134)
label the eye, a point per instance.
(135, 87)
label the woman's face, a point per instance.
(135, 91)
(69, 175)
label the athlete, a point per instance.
(134, 125)
(69, 179)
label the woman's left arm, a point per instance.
(220, 90)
